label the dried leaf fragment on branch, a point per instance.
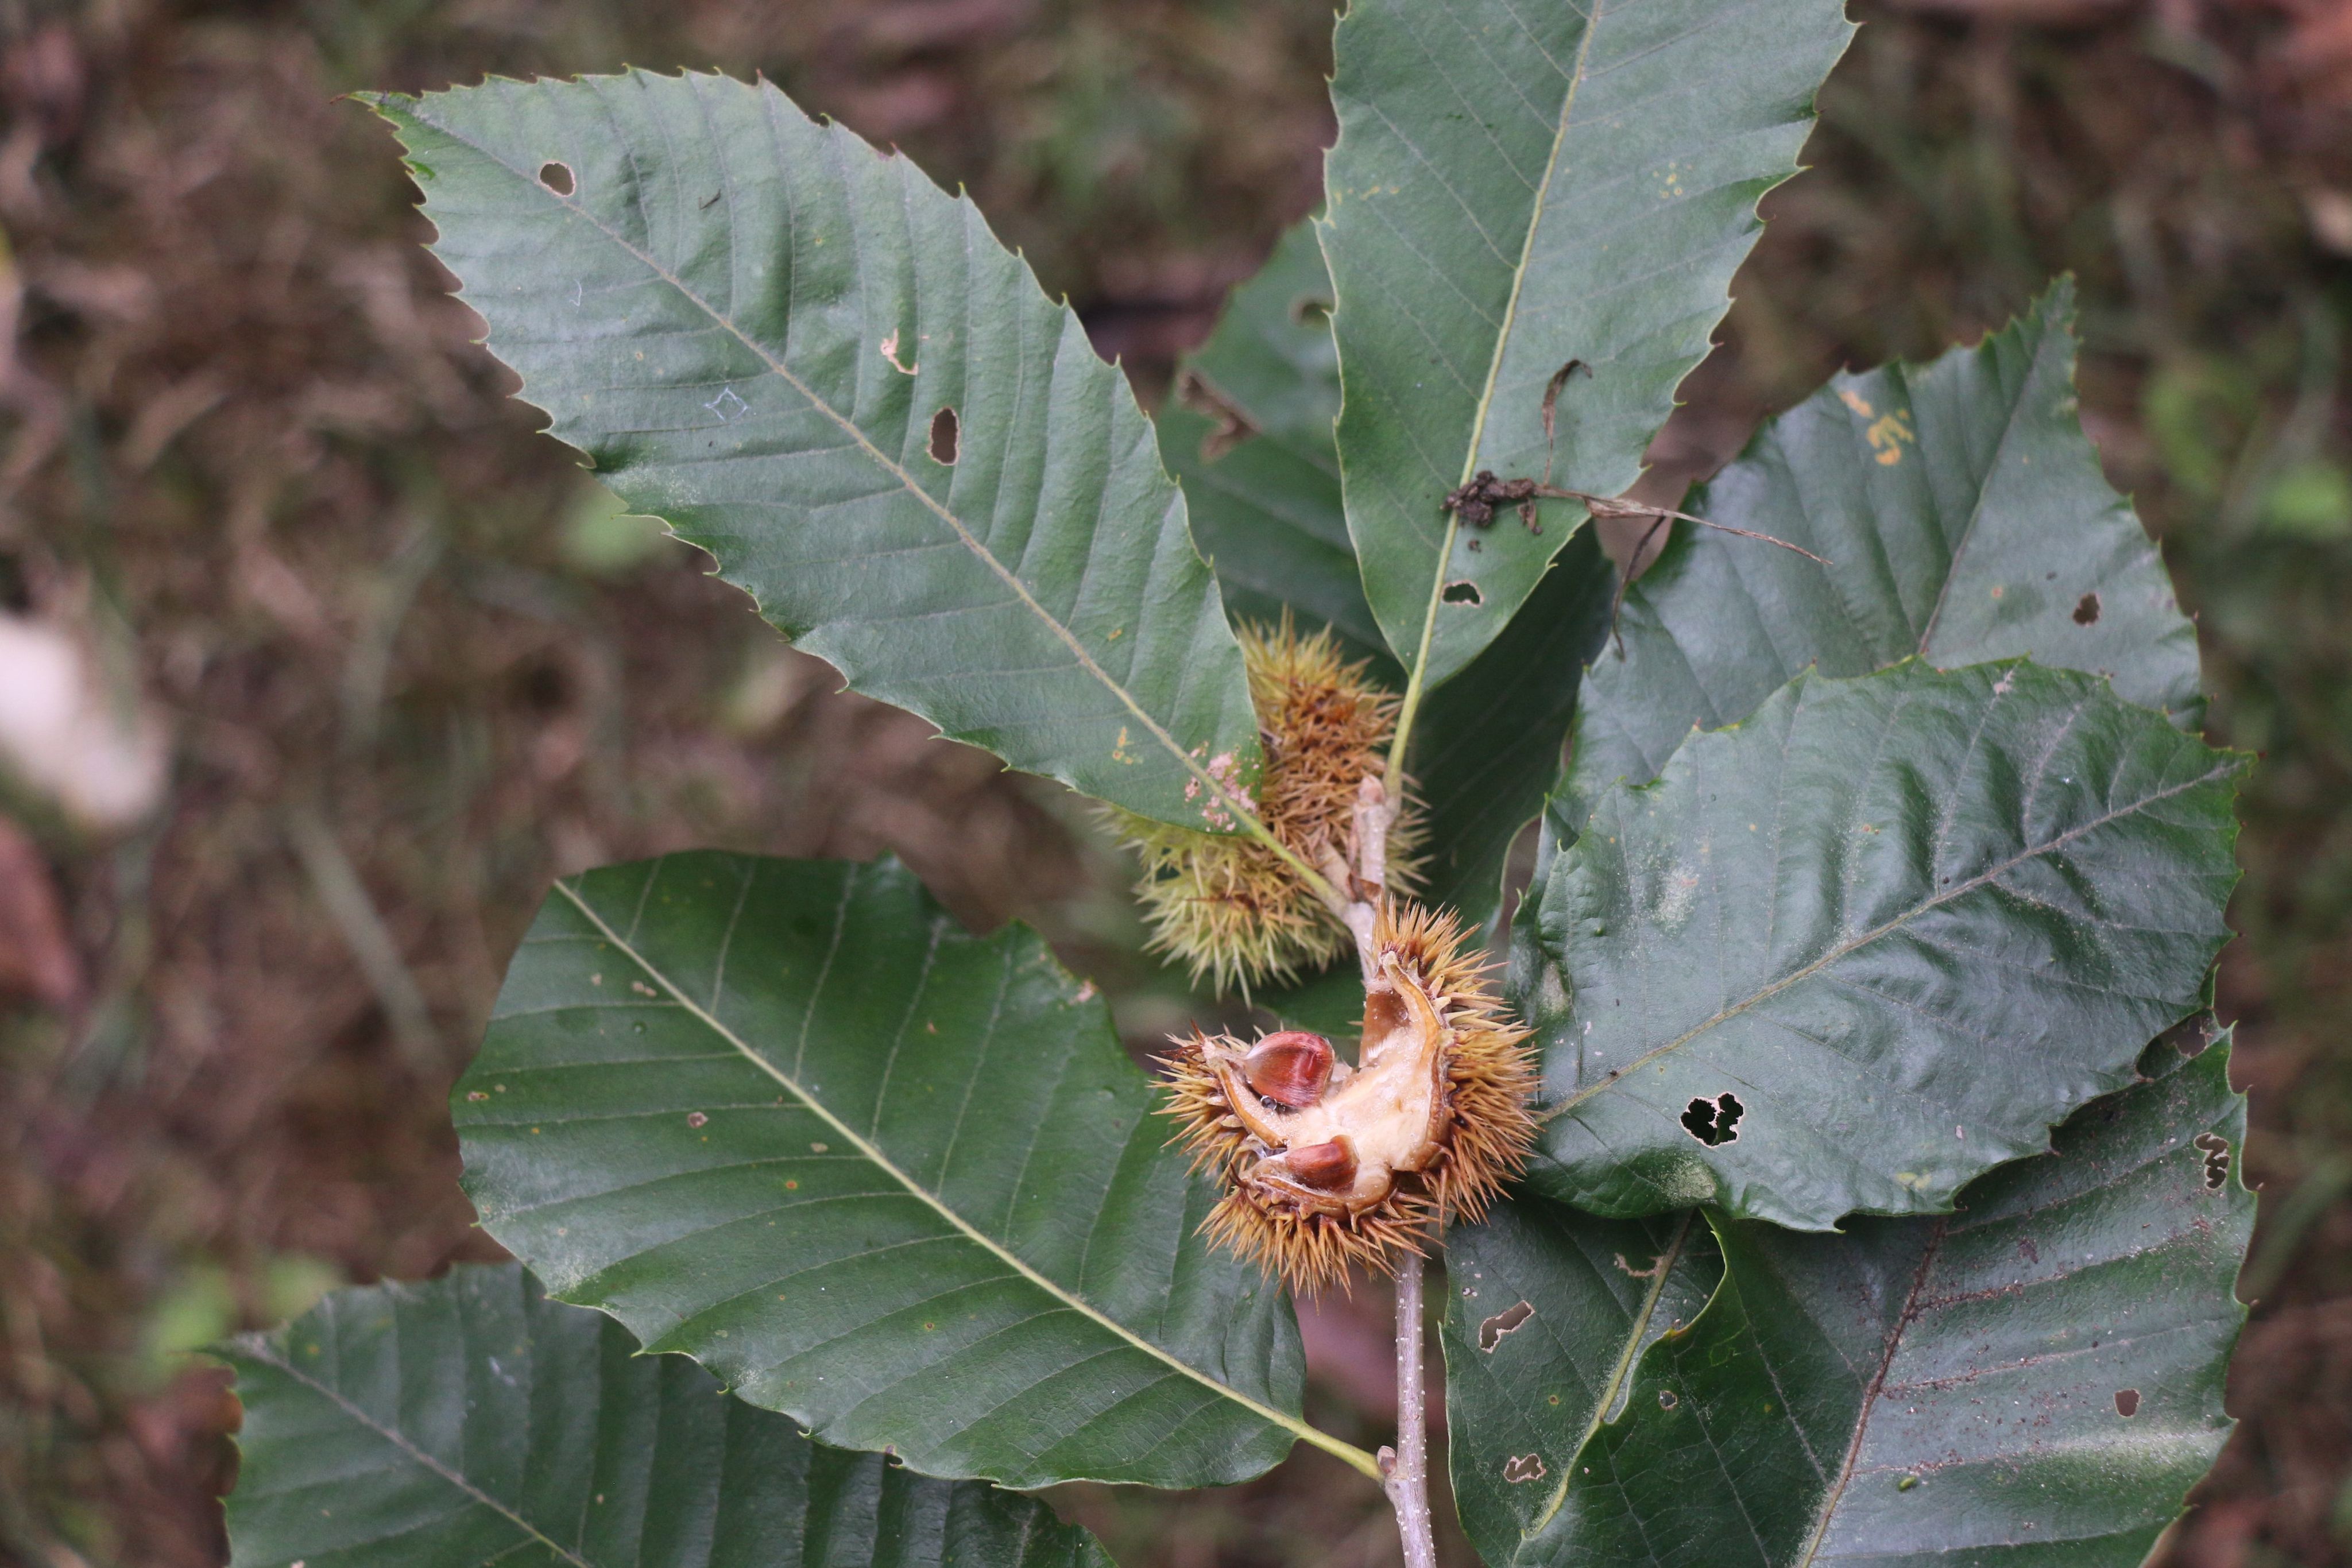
(1227, 905)
(1476, 503)
(1325, 1164)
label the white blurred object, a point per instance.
(93, 753)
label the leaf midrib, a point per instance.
(1663, 1265)
(1418, 677)
(1576, 78)
(2008, 427)
(881, 459)
(865, 1148)
(1903, 1323)
(260, 1350)
(1855, 945)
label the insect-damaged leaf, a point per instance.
(1252, 440)
(1552, 1311)
(898, 1181)
(2036, 1378)
(753, 324)
(472, 1420)
(1518, 187)
(1964, 517)
(1247, 431)
(1871, 942)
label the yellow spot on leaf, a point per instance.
(1887, 435)
(1855, 401)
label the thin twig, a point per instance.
(1609, 507)
(1404, 1469)
(1625, 581)
(1354, 895)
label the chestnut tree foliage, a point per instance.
(1885, 1205)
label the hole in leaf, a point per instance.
(2126, 1402)
(1463, 593)
(943, 437)
(557, 177)
(1491, 1331)
(1667, 1400)
(2191, 1035)
(1199, 394)
(1713, 1122)
(2217, 1159)
(1552, 391)
(2086, 610)
(1523, 1468)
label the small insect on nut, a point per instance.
(1291, 1068)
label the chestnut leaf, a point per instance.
(1963, 516)
(1249, 434)
(2034, 1378)
(898, 1181)
(1517, 188)
(474, 1420)
(813, 363)
(1871, 941)
(1247, 431)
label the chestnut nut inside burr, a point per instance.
(1291, 1068)
(1323, 1166)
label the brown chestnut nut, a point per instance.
(1291, 1068)
(1323, 1166)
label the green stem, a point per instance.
(1410, 709)
(1317, 883)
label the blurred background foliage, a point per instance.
(316, 663)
